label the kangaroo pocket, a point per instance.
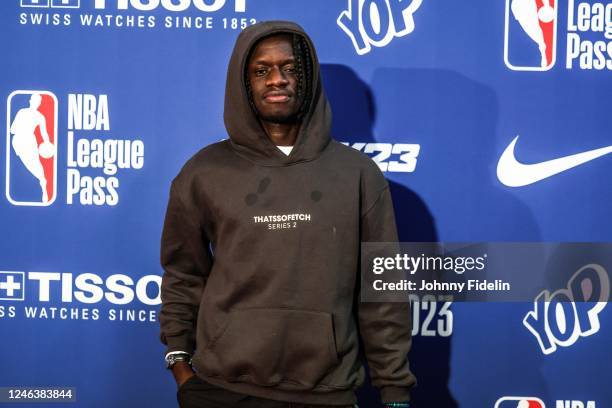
(290, 349)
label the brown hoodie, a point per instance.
(261, 257)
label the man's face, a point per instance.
(272, 74)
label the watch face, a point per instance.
(170, 361)
(174, 358)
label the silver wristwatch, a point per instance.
(173, 358)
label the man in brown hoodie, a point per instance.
(261, 248)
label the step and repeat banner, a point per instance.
(491, 119)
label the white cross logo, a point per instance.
(34, 3)
(11, 286)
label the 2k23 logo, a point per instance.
(561, 318)
(377, 22)
(407, 155)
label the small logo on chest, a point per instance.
(282, 221)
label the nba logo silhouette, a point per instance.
(12, 285)
(31, 148)
(530, 40)
(519, 402)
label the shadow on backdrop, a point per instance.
(454, 119)
(354, 113)
(454, 195)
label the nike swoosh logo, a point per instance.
(513, 173)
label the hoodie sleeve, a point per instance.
(385, 328)
(186, 260)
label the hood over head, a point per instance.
(247, 136)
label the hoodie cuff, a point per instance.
(394, 394)
(178, 343)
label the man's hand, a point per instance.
(182, 372)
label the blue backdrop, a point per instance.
(433, 90)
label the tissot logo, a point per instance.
(170, 5)
(85, 296)
(137, 14)
(117, 289)
(140, 5)
(51, 3)
(12, 285)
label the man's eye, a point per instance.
(260, 72)
(290, 68)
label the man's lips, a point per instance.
(276, 97)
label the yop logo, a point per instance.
(31, 146)
(12, 285)
(519, 402)
(530, 35)
(52, 3)
(561, 318)
(377, 22)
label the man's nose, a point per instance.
(277, 77)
